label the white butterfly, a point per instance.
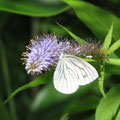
(72, 71)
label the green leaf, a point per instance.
(114, 47)
(101, 81)
(95, 18)
(108, 39)
(40, 80)
(118, 115)
(78, 39)
(7, 80)
(36, 8)
(108, 106)
(113, 61)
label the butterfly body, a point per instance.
(71, 72)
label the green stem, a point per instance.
(7, 79)
(101, 81)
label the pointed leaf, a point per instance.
(114, 47)
(40, 80)
(108, 106)
(108, 39)
(78, 39)
(113, 61)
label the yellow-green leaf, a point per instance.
(78, 39)
(108, 106)
(114, 47)
(108, 39)
(113, 61)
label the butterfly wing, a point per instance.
(72, 71)
(86, 73)
(64, 78)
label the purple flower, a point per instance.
(43, 53)
(94, 49)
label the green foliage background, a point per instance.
(20, 21)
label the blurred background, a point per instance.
(22, 20)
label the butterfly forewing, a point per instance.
(64, 78)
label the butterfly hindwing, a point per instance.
(89, 70)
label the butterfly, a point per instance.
(71, 72)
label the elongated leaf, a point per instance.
(95, 18)
(40, 80)
(6, 75)
(113, 61)
(108, 40)
(108, 107)
(118, 115)
(101, 81)
(78, 39)
(36, 8)
(114, 47)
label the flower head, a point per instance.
(94, 49)
(43, 53)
